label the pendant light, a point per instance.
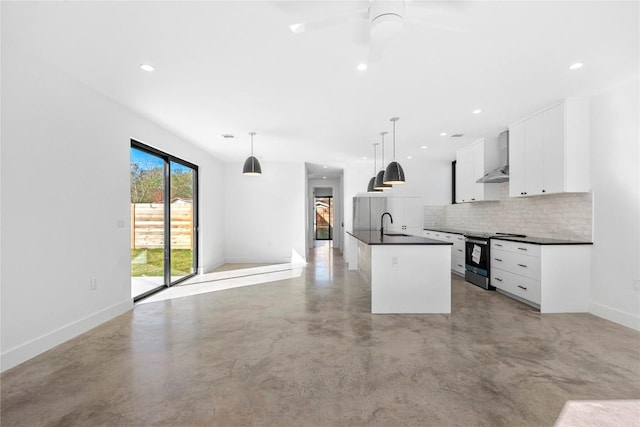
(371, 187)
(380, 185)
(252, 165)
(394, 173)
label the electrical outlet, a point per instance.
(394, 261)
(93, 284)
(636, 285)
(120, 223)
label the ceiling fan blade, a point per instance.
(332, 21)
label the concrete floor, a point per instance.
(307, 352)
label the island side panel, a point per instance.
(364, 261)
(410, 279)
(565, 278)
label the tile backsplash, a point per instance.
(556, 216)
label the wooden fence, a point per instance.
(147, 225)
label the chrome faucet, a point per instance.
(382, 222)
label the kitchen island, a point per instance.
(408, 274)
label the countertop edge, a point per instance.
(397, 241)
(541, 241)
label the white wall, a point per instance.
(265, 215)
(65, 205)
(356, 176)
(615, 161)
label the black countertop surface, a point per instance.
(529, 239)
(543, 241)
(372, 237)
(447, 230)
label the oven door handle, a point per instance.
(478, 242)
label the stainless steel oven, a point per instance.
(477, 257)
(477, 260)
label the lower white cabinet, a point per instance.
(457, 251)
(554, 278)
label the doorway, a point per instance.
(164, 226)
(323, 219)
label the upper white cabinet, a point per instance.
(549, 151)
(472, 162)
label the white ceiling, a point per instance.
(235, 67)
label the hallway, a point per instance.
(305, 351)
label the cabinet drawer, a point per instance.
(458, 251)
(448, 237)
(437, 235)
(520, 286)
(457, 264)
(516, 247)
(523, 265)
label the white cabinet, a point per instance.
(549, 151)
(407, 213)
(472, 162)
(457, 250)
(552, 278)
(465, 190)
(517, 272)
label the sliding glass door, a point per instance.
(163, 220)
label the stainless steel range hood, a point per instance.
(501, 173)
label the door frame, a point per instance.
(331, 216)
(167, 159)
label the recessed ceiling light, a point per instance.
(361, 67)
(146, 67)
(409, 157)
(297, 28)
(576, 66)
(227, 136)
(325, 166)
(424, 147)
(364, 157)
(477, 111)
(443, 134)
(324, 177)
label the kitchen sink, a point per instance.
(396, 234)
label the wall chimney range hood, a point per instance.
(501, 173)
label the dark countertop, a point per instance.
(447, 230)
(543, 241)
(529, 239)
(372, 237)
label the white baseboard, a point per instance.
(34, 347)
(257, 260)
(211, 266)
(613, 314)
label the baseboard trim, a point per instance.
(257, 260)
(613, 314)
(211, 266)
(34, 347)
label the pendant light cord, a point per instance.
(252, 133)
(382, 134)
(375, 158)
(394, 120)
